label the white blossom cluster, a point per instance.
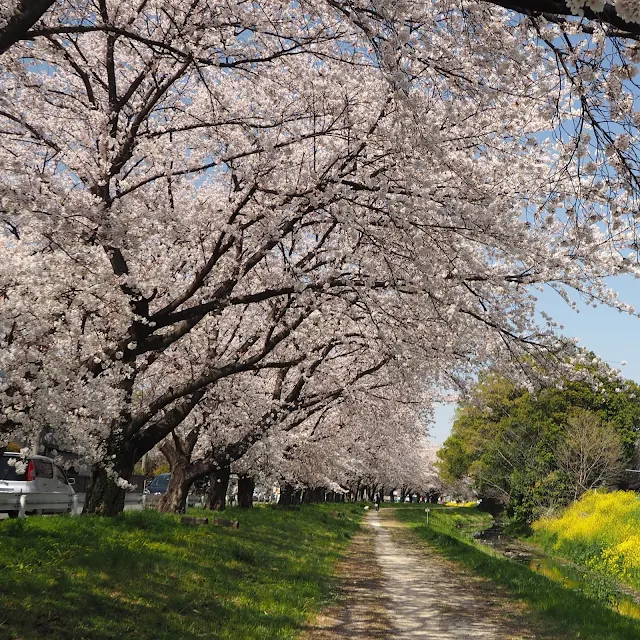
(230, 217)
(628, 10)
(8, 9)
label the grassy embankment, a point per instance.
(556, 612)
(600, 531)
(144, 575)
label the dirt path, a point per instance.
(391, 587)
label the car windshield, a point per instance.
(160, 482)
(8, 471)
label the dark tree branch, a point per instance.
(551, 9)
(28, 12)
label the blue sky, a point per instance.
(614, 336)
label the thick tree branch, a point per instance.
(551, 9)
(28, 12)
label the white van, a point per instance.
(43, 482)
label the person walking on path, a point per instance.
(376, 501)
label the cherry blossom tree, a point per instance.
(19, 16)
(375, 436)
(620, 17)
(245, 409)
(190, 191)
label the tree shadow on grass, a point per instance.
(146, 576)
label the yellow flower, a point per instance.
(601, 531)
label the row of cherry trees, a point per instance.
(231, 229)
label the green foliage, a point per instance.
(461, 518)
(161, 467)
(144, 575)
(507, 439)
(456, 456)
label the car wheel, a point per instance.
(12, 514)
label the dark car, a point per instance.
(158, 486)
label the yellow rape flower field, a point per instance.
(601, 531)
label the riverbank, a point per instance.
(557, 611)
(599, 531)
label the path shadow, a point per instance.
(392, 587)
(360, 610)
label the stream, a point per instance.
(619, 598)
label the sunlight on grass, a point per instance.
(144, 575)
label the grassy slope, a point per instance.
(146, 576)
(601, 530)
(556, 612)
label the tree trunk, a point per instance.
(312, 496)
(218, 487)
(289, 495)
(104, 497)
(246, 485)
(175, 499)
(286, 495)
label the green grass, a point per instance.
(452, 518)
(144, 575)
(555, 611)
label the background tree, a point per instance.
(244, 410)
(590, 454)
(512, 441)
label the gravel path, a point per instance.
(393, 587)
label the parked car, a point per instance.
(158, 486)
(42, 481)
